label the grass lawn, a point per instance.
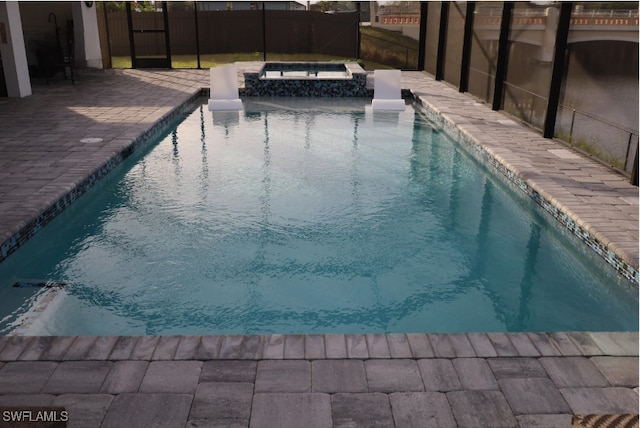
(212, 60)
(379, 48)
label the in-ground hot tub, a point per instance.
(307, 79)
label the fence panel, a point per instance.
(611, 143)
(118, 33)
(335, 34)
(224, 32)
(229, 31)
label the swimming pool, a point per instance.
(307, 216)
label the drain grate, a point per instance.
(39, 284)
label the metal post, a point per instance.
(165, 17)
(106, 26)
(195, 18)
(422, 42)
(562, 35)
(264, 34)
(503, 52)
(573, 118)
(634, 170)
(626, 155)
(466, 46)
(442, 40)
(359, 10)
(132, 48)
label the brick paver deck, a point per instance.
(412, 380)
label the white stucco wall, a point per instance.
(14, 56)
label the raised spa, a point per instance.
(307, 79)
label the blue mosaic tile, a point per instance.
(354, 86)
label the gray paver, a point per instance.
(285, 410)
(461, 345)
(399, 346)
(502, 345)
(273, 347)
(23, 400)
(572, 372)
(420, 345)
(231, 347)
(222, 400)
(166, 348)
(544, 344)
(283, 376)
(361, 410)
(218, 423)
(421, 410)
(481, 409)
(124, 377)
(209, 347)
(36, 348)
(251, 347)
(585, 343)
(442, 347)
(357, 346)
(377, 346)
(439, 375)
(228, 371)
(294, 346)
(619, 371)
(393, 376)
(84, 410)
(82, 377)
(482, 345)
(564, 344)
(474, 373)
(314, 347)
(171, 376)
(187, 348)
(601, 400)
(519, 393)
(544, 421)
(504, 368)
(148, 410)
(101, 348)
(145, 348)
(622, 345)
(14, 347)
(57, 348)
(338, 376)
(124, 347)
(25, 377)
(335, 345)
(523, 345)
(628, 342)
(79, 348)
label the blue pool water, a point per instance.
(307, 216)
